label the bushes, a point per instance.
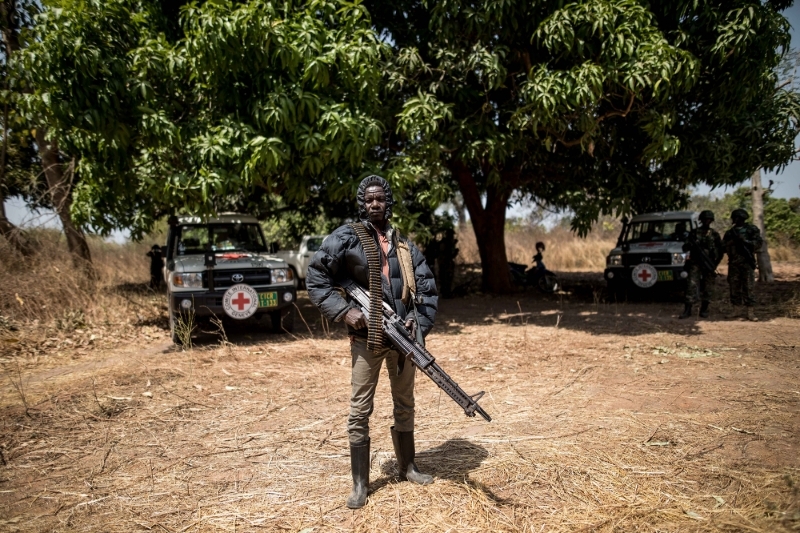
(781, 216)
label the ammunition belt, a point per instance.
(375, 327)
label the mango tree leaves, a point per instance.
(601, 107)
(256, 96)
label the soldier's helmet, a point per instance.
(707, 215)
(739, 214)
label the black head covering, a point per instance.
(739, 214)
(369, 181)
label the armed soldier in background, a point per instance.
(402, 277)
(741, 243)
(705, 252)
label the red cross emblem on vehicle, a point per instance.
(644, 275)
(241, 301)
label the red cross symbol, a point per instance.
(644, 275)
(240, 301)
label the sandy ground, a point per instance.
(606, 417)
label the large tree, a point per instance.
(242, 104)
(601, 107)
(53, 186)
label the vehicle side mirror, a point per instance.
(163, 251)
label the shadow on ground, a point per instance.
(452, 460)
(581, 305)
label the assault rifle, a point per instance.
(404, 342)
(698, 255)
(743, 249)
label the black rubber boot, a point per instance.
(704, 310)
(404, 451)
(359, 464)
(687, 311)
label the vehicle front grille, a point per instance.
(654, 259)
(253, 277)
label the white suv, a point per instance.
(649, 252)
(221, 267)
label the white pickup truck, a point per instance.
(298, 259)
(220, 267)
(649, 252)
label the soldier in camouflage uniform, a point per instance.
(705, 252)
(741, 243)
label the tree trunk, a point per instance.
(764, 262)
(59, 185)
(489, 223)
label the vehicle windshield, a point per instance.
(658, 230)
(197, 238)
(314, 243)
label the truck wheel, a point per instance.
(283, 321)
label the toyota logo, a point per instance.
(645, 259)
(237, 278)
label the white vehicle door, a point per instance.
(308, 248)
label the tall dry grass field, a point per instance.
(566, 252)
(49, 289)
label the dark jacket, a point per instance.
(341, 256)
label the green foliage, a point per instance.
(781, 220)
(21, 162)
(781, 216)
(605, 107)
(256, 100)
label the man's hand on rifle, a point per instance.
(411, 325)
(355, 319)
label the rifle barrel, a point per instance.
(408, 347)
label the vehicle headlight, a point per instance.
(281, 275)
(193, 280)
(614, 260)
(678, 259)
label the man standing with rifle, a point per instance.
(705, 252)
(374, 256)
(741, 242)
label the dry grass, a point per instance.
(47, 306)
(46, 286)
(565, 251)
(784, 252)
(606, 418)
(597, 427)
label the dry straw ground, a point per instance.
(607, 417)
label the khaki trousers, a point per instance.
(366, 367)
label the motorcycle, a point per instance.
(536, 276)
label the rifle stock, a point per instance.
(395, 330)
